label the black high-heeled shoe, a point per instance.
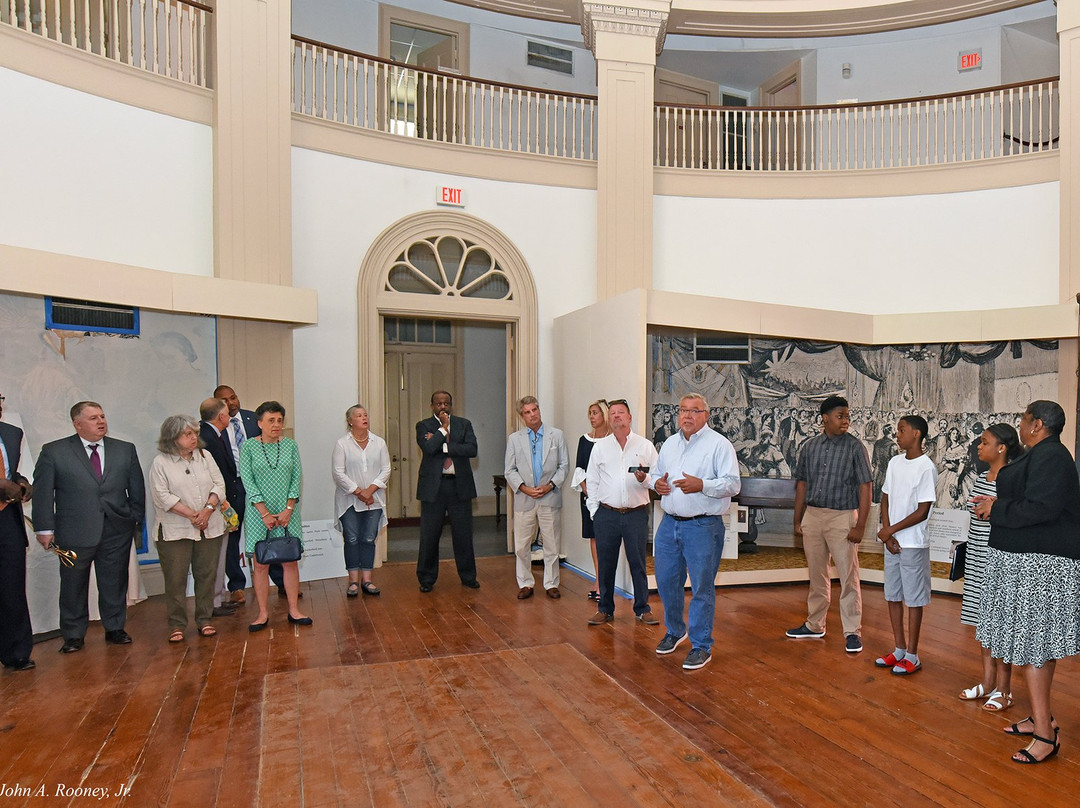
(1030, 758)
(300, 621)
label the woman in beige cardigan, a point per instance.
(187, 488)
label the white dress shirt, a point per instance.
(708, 455)
(354, 468)
(607, 478)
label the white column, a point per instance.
(625, 40)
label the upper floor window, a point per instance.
(450, 266)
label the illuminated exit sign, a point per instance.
(451, 197)
(969, 60)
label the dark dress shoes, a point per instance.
(525, 592)
(426, 587)
(225, 610)
(118, 637)
(473, 584)
(21, 664)
(71, 645)
(554, 593)
(300, 621)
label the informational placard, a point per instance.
(323, 551)
(947, 527)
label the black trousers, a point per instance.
(110, 559)
(431, 523)
(233, 571)
(16, 635)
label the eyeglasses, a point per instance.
(2, 399)
(687, 411)
(615, 401)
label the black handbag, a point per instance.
(278, 549)
(959, 560)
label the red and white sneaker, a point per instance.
(905, 667)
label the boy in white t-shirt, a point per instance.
(906, 499)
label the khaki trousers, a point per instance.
(825, 533)
(549, 522)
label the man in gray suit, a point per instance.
(89, 497)
(536, 465)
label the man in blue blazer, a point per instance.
(16, 634)
(89, 497)
(536, 464)
(445, 486)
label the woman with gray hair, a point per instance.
(361, 469)
(186, 487)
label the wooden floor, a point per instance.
(463, 697)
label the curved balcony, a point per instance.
(359, 90)
(166, 37)
(998, 122)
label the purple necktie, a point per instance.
(95, 460)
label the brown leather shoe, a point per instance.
(600, 618)
(238, 596)
(648, 619)
(525, 592)
(554, 593)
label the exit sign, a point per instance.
(452, 197)
(969, 60)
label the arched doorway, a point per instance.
(444, 265)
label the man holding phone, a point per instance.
(618, 501)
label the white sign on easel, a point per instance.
(946, 527)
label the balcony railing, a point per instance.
(167, 37)
(984, 125)
(364, 91)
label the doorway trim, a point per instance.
(429, 22)
(376, 299)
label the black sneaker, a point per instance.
(697, 658)
(803, 633)
(853, 644)
(669, 644)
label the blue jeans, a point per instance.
(613, 530)
(694, 546)
(360, 529)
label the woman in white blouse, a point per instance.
(361, 466)
(187, 488)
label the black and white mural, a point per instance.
(768, 407)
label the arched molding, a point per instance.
(375, 300)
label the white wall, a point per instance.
(949, 252)
(497, 41)
(339, 206)
(85, 176)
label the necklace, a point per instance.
(361, 443)
(266, 454)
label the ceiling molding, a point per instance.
(776, 19)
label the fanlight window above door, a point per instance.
(450, 266)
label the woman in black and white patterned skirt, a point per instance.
(1030, 608)
(998, 446)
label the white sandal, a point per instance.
(972, 693)
(997, 701)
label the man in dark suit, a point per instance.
(89, 497)
(445, 486)
(214, 415)
(242, 425)
(16, 634)
(213, 430)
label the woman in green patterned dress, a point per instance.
(270, 470)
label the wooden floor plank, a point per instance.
(461, 696)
